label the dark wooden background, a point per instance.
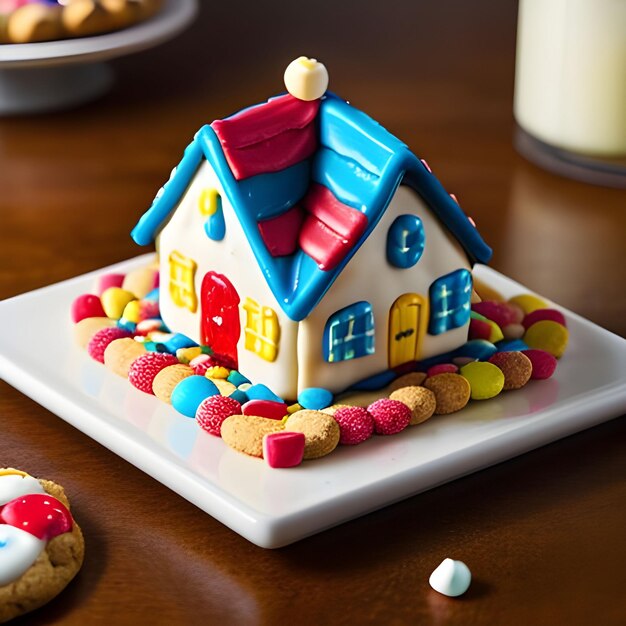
(543, 534)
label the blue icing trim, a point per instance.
(480, 349)
(405, 241)
(168, 196)
(351, 184)
(375, 382)
(176, 342)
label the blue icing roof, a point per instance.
(358, 160)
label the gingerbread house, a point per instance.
(309, 247)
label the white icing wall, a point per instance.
(368, 276)
(232, 257)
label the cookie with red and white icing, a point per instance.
(41, 546)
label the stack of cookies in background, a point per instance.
(28, 21)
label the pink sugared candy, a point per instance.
(539, 315)
(543, 363)
(99, 342)
(355, 425)
(39, 514)
(214, 410)
(442, 368)
(265, 408)
(501, 313)
(390, 416)
(86, 305)
(283, 449)
(108, 280)
(202, 363)
(143, 369)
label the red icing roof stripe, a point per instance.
(272, 155)
(265, 121)
(343, 219)
(324, 245)
(331, 229)
(280, 234)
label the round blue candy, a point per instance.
(315, 398)
(190, 392)
(262, 392)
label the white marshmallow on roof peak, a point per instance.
(452, 578)
(306, 79)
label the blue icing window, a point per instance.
(450, 298)
(405, 241)
(349, 333)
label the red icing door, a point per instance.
(219, 319)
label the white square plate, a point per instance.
(273, 507)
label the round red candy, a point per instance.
(390, 416)
(99, 342)
(540, 315)
(86, 306)
(355, 425)
(143, 369)
(214, 410)
(442, 368)
(543, 363)
(39, 514)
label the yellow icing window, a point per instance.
(209, 201)
(262, 331)
(182, 273)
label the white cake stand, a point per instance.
(36, 77)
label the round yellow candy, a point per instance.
(114, 301)
(485, 379)
(549, 336)
(529, 302)
(131, 311)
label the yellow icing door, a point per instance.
(408, 319)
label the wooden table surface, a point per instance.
(543, 534)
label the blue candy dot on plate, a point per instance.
(480, 349)
(511, 345)
(261, 392)
(236, 378)
(240, 396)
(190, 392)
(315, 398)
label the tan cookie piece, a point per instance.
(122, 13)
(86, 17)
(120, 354)
(165, 381)
(34, 22)
(333, 408)
(412, 379)
(452, 392)
(420, 400)
(88, 327)
(53, 569)
(245, 433)
(516, 367)
(321, 432)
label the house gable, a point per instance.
(357, 161)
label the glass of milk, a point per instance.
(570, 87)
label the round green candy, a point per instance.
(485, 379)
